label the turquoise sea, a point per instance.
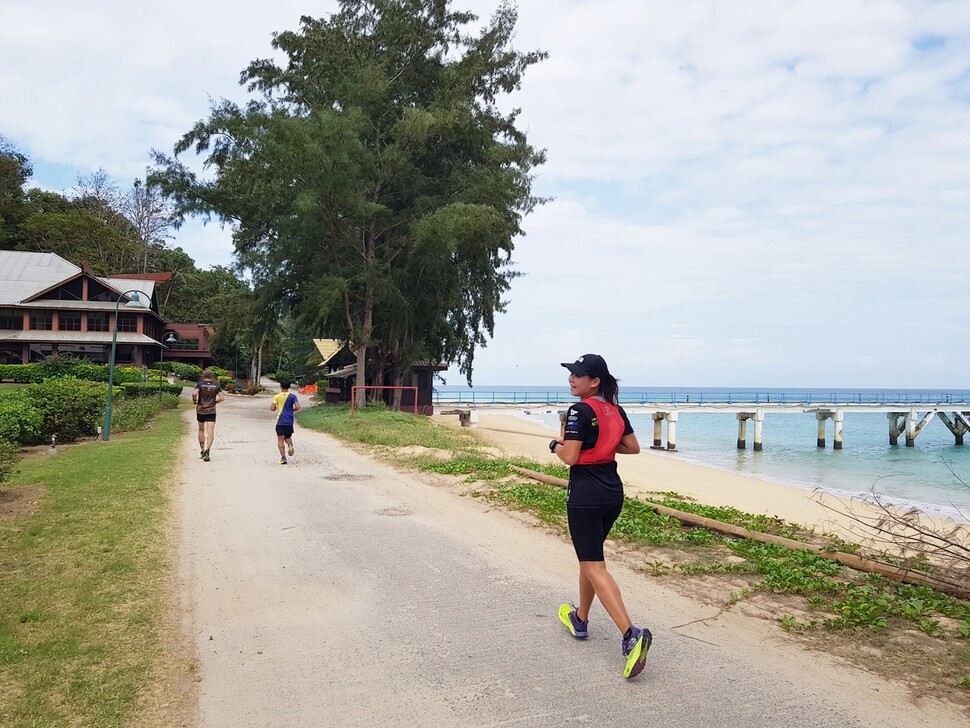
(934, 475)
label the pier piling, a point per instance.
(671, 431)
(896, 425)
(838, 418)
(959, 426)
(821, 416)
(658, 422)
(759, 417)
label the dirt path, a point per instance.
(336, 591)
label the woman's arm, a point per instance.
(569, 451)
(629, 445)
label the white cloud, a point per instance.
(767, 192)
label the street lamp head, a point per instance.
(135, 301)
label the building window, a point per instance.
(127, 322)
(11, 319)
(124, 353)
(69, 321)
(97, 322)
(186, 345)
(39, 352)
(41, 321)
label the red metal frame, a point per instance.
(365, 387)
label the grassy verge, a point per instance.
(910, 632)
(84, 579)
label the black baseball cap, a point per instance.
(589, 365)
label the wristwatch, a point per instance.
(552, 446)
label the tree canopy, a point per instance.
(373, 185)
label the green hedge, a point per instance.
(184, 371)
(35, 373)
(21, 372)
(150, 388)
(133, 413)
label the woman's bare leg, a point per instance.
(601, 582)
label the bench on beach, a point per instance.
(466, 417)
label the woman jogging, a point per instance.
(596, 429)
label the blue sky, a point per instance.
(766, 193)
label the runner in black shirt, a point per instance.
(206, 395)
(596, 430)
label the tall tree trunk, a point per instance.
(398, 382)
(367, 325)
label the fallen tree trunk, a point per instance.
(860, 563)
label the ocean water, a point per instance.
(934, 475)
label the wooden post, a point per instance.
(759, 419)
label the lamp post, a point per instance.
(134, 302)
(170, 338)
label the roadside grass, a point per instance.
(826, 604)
(84, 580)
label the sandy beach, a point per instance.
(654, 470)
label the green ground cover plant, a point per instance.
(830, 599)
(84, 580)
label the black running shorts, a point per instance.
(284, 430)
(206, 418)
(589, 528)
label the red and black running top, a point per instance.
(599, 425)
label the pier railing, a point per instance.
(554, 398)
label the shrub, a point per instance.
(21, 372)
(224, 382)
(123, 375)
(151, 389)
(20, 421)
(59, 366)
(132, 414)
(255, 389)
(89, 372)
(8, 458)
(185, 371)
(69, 408)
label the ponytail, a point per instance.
(610, 389)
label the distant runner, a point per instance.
(206, 395)
(286, 403)
(596, 429)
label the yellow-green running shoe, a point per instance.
(635, 651)
(577, 627)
